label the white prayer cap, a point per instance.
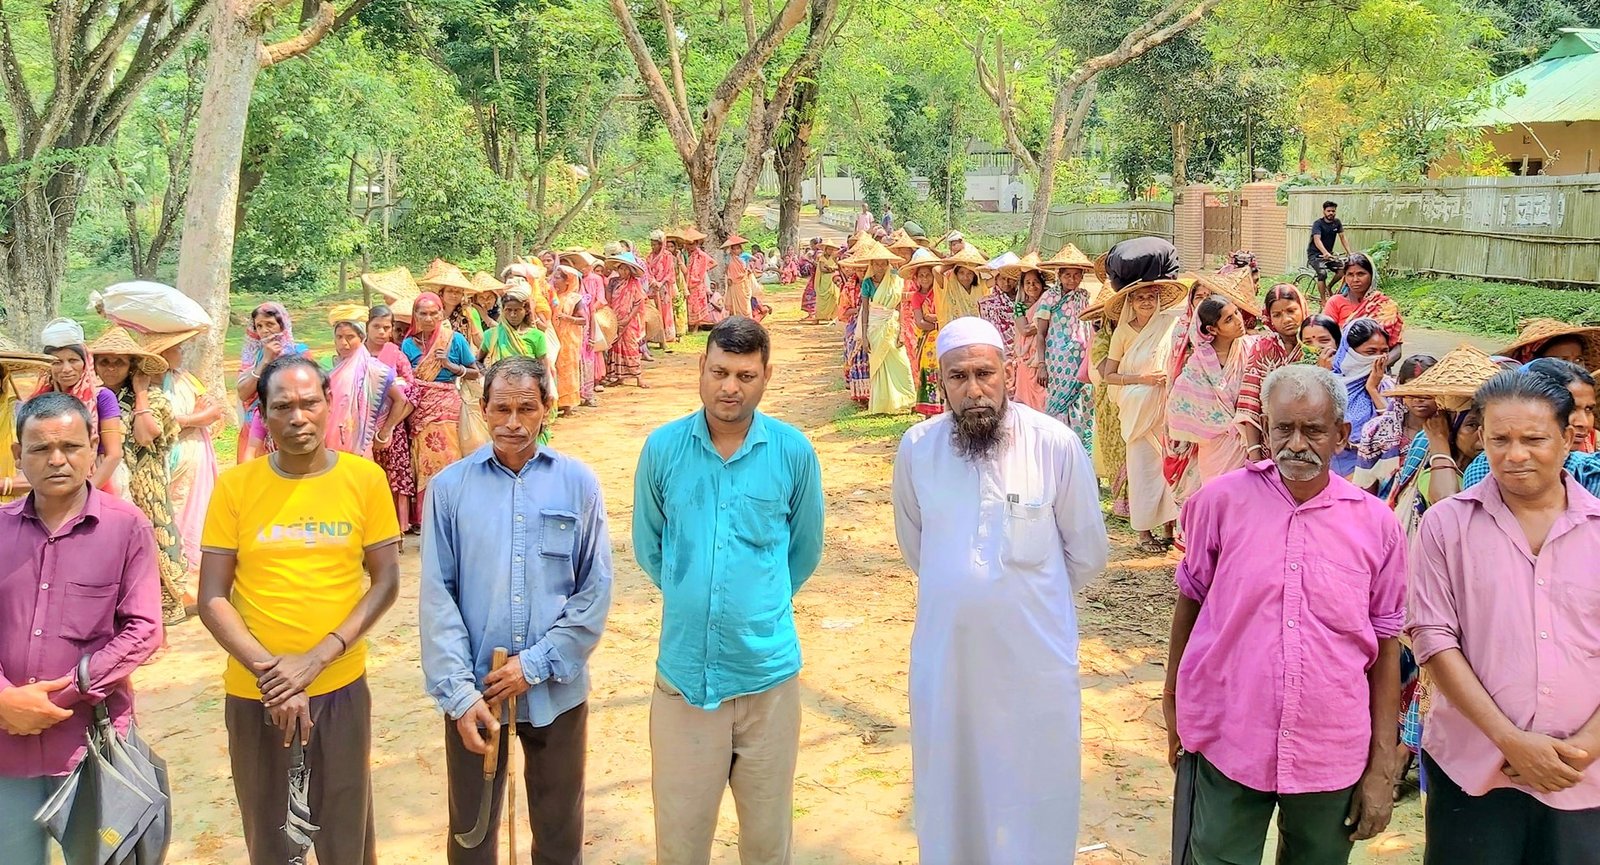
(61, 333)
(968, 330)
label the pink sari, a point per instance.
(359, 386)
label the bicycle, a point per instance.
(1306, 278)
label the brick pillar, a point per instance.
(1262, 228)
(1189, 225)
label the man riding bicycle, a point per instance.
(1319, 252)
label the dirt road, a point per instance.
(852, 798)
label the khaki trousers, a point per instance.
(749, 743)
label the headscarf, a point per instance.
(1204, 394)
(250, 354)
(8, 425)
(1354, 368)
(428, 366)
(87, 390)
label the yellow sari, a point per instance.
(827, 289)
(893, 391)
(8, 431)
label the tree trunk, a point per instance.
(790, 161)
(205, 257)
(35, 253)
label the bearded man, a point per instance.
(997, 510)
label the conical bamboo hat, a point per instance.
(1452, 381)
(1535, 332)
(117, 340)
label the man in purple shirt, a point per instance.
(77, 577)
(1283, 673)
(1505, 618)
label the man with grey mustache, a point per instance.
(1283, 673)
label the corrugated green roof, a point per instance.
(1563, 86)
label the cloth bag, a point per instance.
(472, 429)
(149, 307)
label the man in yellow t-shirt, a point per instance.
(289, 543)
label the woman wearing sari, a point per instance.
(1028, 349)
(1065, 338)
(1284, 311)
(367, 398)
(705, 310)
(72, 372)
(1110, 451)
(572, 329)
(269, 336)
(452, 286)
(439, 357)
(824, 282)
(12, 362)
(739, 291)
(662, 268)
(1362, 299)
(857, 372)
(1136, 365)
(881, 296)
(923, 274)
(193, 464)
(1362, 363)
(1203, 406)
(132, 373)
(395, 457)
(629, 293)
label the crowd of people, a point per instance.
(1225, 422)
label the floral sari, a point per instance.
(929, 400)
(436, 412)
(1066, 348)
(1202, 408)
(149, 485)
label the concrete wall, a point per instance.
(1262, 228)
(1564, 148)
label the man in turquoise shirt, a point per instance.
(728, 524)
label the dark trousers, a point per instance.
(1230, 823)
(553, 758)
(1503, 827)
(341, 777)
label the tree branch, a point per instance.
(16, 88)
(349, 14)
(1146, 36)
(996, 87)
(674, 59)
(746, 69)
(303, 41)
(133, 81)
(1081, 114)
(683, 135)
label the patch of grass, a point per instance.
(1486, 307)
(853, 421)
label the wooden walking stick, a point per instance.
(511, 783)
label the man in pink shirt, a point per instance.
(77, 577)
(1283, 675)
(1505, 617)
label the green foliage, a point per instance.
(1486, 307)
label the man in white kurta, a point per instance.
(997, 511)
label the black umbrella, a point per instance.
(115, 807)
(298, 825)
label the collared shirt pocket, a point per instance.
(87, 611)
(1341, 597)
(759, 519)
(558, 534)
(1582, 615)
(1030, 534)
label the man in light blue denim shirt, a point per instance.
(727, 523)
(515, 553)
